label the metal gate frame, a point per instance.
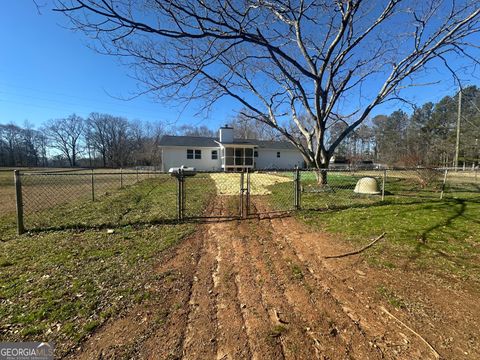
(297, 191)
(245, 201)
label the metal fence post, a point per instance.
(242, 177)
(19, 202)
(93, 187)
(383, 183)
(444, 183)
(248, 193)
(121, 178)
(137, 174)
(180, 196)
(297, 189)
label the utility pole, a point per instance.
(459, 116)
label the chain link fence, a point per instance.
(90, 198)
(99, 198)
(337, 189)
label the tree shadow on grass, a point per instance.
(132, 224)
(459, 206)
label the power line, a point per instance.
(79, 107)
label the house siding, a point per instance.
(177, 155)
(267, 159)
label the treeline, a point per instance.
(426, 137)
(22, 146)
(100, 140)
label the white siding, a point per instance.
(177, 156)
(267, 159)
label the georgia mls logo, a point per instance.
(26, 351)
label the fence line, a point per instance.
(56, 199)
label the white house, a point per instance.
(224, 153)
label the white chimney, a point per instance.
(226, 134)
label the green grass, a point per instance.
(437, 236)
(61, 284)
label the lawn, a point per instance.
(439, 236)
(423, 231)
(86, 260)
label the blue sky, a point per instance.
(48, 71)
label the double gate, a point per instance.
(237, 195)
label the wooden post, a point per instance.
(19, 202)
(137, 174)
(93, 187)
(383, 183)
(444, 183)
(121, 178)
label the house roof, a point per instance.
(201, 141)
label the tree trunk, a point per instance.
(320, 171)
(321, 175)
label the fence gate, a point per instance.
(215, 195)
(272, 192)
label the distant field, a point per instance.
(7, 194)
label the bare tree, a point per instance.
(282, 59)
(65, 135)
(245, 127)
(97, 134)
(191, 130)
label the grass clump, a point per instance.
(277, 331)
(391, 297)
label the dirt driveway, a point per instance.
(260, 289)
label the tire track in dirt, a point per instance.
(323, 325)
(331, 328)
(255, 331)
(232, 339)
(251, 289)
(201, 329)
(285, 325)
(356, 306)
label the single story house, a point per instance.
(225, 153)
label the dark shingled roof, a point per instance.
(201, 141)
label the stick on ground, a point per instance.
(435, 353)
(356, 251)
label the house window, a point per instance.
(255, 153)
(194, 154)
(214, 154)
(278, 154)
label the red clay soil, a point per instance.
(260, 289)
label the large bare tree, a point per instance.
(65, 135)
(312, 63)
